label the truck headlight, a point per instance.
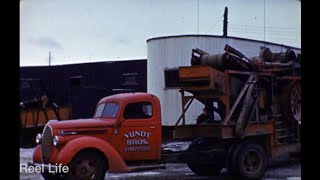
(55, 140)
(38, 138)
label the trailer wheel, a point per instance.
(86, 165)
(204, 169)
(250, 161)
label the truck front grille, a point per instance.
(46, 143)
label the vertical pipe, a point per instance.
(183, 105)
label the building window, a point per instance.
(139, 110)
(25, 84)
(171, 78)
(35, 84)
(130, 79)
(75, 81)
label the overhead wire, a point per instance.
(215, 24)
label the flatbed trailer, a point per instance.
(260, 112)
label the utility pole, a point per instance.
(49, 58)
(264, 20)
(225, 22)
(49, 71)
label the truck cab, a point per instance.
(137, 131)
(125, 129)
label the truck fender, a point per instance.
(116, 163)
(37, 155)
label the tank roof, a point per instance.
(216, 36)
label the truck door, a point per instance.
(139, 135)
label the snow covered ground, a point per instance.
(281, 170)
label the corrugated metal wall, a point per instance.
(175, 51)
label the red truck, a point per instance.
(125, 128)
(125, 133)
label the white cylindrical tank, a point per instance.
(174, 51)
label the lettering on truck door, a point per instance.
(137, 134)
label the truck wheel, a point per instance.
(251, 162)
(232, 166)
(87, 165)
(229, 158)
(204, 169)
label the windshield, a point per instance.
(107, 110)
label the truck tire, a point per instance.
(87, 165)
(249, 161)
(204, 169)
(232, 166)
(229, 158)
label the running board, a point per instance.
(147, 167)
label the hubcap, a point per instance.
(252, 161)
(84, 170)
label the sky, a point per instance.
(77, 31)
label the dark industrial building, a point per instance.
(81, 86)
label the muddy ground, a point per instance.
(279, 169)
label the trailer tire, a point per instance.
(87, 165)
(250, 160)
(204, 169)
